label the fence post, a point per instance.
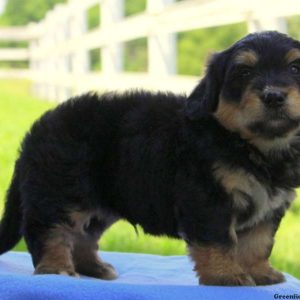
(49, 89)
(80, 63)
(112, 11)
(33, 62)
(60, 63)
(42, 44)
(161, 46)
(267, 23)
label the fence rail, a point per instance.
(59, 45)
(14, 54)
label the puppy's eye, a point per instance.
(294, 69)
(246, 72)
(241, 72)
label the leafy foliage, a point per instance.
(95, 59)
(133, 7)
(93, 17)
(20, 12)
(294, 26)
(136, 56)
(195, 46)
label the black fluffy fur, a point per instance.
(144, 157)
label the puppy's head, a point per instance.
(253, 87)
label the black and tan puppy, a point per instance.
(217, 169)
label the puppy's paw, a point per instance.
(105, 271)
(241, 279)
(97, 269)
(267, 277)
(43, 270)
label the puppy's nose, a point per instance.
(273, 98)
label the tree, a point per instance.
(20, 12)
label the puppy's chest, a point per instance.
(252, 199)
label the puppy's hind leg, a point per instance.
(85, 256)
(50, 248)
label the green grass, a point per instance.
(286, 252)
(17, 112)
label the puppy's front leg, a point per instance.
(254, 249)
(217, 265)
(206, 222)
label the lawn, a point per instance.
(18, 110)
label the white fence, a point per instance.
(59, 45)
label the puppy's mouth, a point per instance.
(275, 122)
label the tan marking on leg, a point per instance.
(80, 220)
(242, 186)
(85, 256)
(57, 257)
(217, 265)
(253, 250)
(232, 178)
(71, 247)
(255, 244)
(87, 261)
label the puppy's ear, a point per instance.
(205, 97)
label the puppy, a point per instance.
(217, 169)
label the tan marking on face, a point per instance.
(227, 114)
(250, 109)
(292, 55)
(217, 265)
(293, 110)
(236, 116)
(248, 57)
(293, 102)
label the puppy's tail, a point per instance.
(10, 226)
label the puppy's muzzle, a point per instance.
(273, 98)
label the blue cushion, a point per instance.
(141, 276)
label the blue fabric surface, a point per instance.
(141, 276)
